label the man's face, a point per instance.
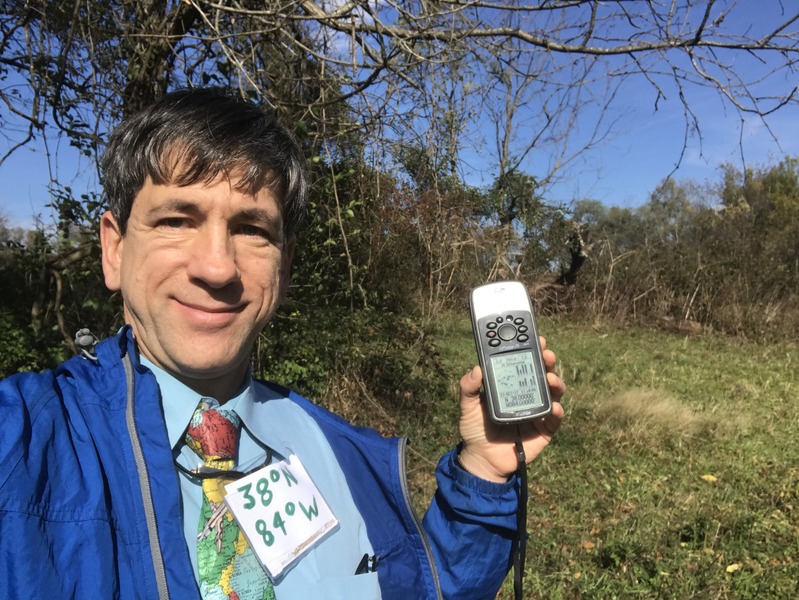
(201, 269)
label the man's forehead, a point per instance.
(179, 195)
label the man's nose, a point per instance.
(214, 257)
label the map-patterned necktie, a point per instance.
(226, 564)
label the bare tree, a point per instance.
(99, 57)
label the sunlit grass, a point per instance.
(675, 475)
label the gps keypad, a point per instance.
(506, 328)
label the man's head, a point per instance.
(193, 136)
(205, 194)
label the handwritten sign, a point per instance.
(281, 513)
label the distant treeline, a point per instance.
(381, 257)
(723, 257)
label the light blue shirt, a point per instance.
(270, 421)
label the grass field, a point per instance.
(675, 474)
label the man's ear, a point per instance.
(111, 240)
(285, 265)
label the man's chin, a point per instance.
(221, 376)
(204, 371)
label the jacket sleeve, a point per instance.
(471, 524)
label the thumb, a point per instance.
(470, 386)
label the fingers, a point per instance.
(551, 423)
(556, 386)
(487, 447)
(549, 357)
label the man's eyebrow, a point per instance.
(258, 215)
(175, 205)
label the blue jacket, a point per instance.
(90, 501)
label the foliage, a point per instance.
(370, 367)
(18, 349)
(53, 286)
(724, 257)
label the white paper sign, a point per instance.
(281, 513)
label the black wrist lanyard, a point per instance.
(520, 543)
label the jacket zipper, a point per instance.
(144, 484)
(403, 442)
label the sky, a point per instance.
(645, 147)
(24, 178)
(648, 142)
(623, 171)
(648, 147)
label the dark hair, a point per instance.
(195, 135)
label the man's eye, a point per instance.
(254, 231)
(172, 222)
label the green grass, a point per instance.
(675, 474)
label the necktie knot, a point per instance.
(213, 433)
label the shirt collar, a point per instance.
(179, 401)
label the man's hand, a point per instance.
(488, 448)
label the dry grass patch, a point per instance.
(651, 417)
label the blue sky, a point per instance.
(623, 171)
(648, 144)
(24, 178)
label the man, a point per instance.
(108, 488)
